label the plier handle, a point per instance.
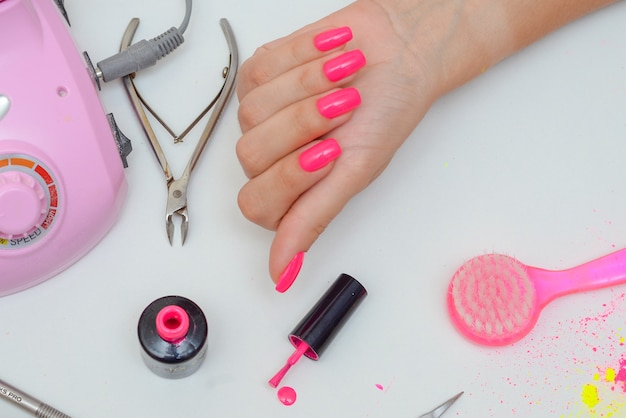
(177, 188)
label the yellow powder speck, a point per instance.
(590, 396)
(621, 341)
(596, 376)
(610, 375)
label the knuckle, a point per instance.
(286, 178)
(309, 81)
(320, 227)
(254, 208)
(248, 159)
(307, 123)
(297, 53)
(250, 113)
(315, 228)
(253, 74)
(261, 50)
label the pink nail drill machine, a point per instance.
(61, 176)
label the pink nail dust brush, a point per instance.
(320, 325)
(496, 300)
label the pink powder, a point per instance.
(620, 377)
(586, 345)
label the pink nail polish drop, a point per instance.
(287, 395)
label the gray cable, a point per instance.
(143, 54)
(183, 26)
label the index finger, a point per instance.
(278, 57)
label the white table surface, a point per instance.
(527, 160)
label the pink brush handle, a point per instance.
(596, 274)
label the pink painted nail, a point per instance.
(290, 273)
(333, 38)
(319, 155)
(344, 65)
(339, 102)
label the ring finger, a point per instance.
(307, 80)
(297, 125)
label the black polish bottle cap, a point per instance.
(173, 359)
(329, 314)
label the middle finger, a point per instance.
(301, 82)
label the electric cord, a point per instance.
(145, 53)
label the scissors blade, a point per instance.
(439, 411)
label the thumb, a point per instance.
(306, 220)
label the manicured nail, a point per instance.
(339, 102)
(290, 273)
(344, 65)
(333, 38)
(319, 155)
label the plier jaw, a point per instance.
(184, 225)
(177, 205)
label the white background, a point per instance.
(527, 160)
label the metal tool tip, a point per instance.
(184, 227)
(169, 228)
(441, 409)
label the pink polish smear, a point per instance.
(287, 395)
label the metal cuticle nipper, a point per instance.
(177, 188)
(441, 409)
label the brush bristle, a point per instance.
(493, 298)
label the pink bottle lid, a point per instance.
(172, 323)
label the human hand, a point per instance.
(416, 51)
(279, 87)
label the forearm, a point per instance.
(464, 38)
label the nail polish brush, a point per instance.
(320, 325)
(293, 359)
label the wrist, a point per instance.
(455, 41)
